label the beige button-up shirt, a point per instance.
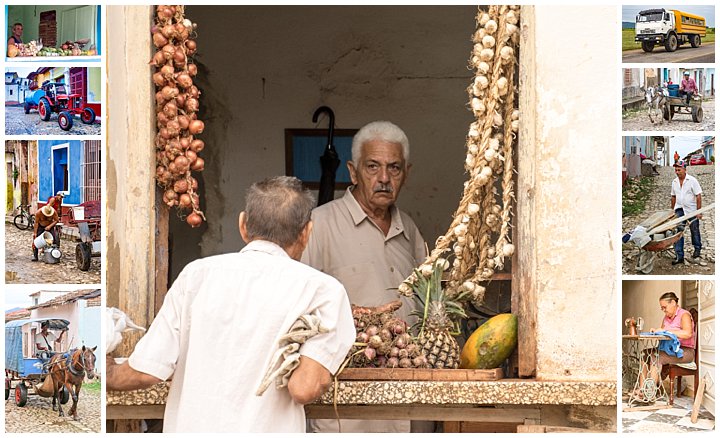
(347, 245)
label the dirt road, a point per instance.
(638, 120)
(19, 123)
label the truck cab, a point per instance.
(668, 27)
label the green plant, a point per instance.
(635, 195)
(16, 173)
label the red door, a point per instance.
(78, 82)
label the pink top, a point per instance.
(675, 323)
(688, 85)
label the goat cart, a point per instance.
(678, 105)
(26, 374)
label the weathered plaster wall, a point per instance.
(568, 207)
(641, 298)
(264, 69)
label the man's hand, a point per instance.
(123, 377)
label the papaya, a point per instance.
(491, 343)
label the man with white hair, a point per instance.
(365, 241)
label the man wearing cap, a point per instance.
(56, 202)
(688, 87)
(685, 198)
(45, 341)
(45, 220)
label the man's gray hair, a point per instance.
(278, 209)
(379, 130)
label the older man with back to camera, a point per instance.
(367, 243)
(686, 198)
(225, 316)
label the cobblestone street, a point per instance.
(20, 269)
(660, 200)
(37, 415)
(639, 121)
(19, 123)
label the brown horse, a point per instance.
(69, 369)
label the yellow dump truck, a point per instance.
(668, 27)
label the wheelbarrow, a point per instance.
(658, 233)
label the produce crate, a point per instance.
(420, 374)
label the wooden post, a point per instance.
(698, 401)
(131, 167)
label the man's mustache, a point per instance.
(383, 188)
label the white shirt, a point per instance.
(50, 340)
(218, 329)
(686, 196)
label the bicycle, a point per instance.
(24, 219)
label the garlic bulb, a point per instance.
(488, 41)
(491, 26)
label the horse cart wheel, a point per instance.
(87, 116)
(44, 109)
(648, 46)
(666, 112)
(65, 396)
(83, 254)
(697, 114)
(65, 120)
(21, 394)
(7, 389)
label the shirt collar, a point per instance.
(266, 247)
(358, 215)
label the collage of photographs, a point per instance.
(359, 219)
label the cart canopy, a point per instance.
(13, 339)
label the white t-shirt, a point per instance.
(40, 340)
(686, 196)
(218, 329)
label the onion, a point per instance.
(185, 201)
(160, 171)
(162, 119)
(179, 57)
(184, 80)
(191, 45)
(158, 59)
(158, 79)
(180, 101)
(168, 51)
(169, 92)
(194, 220)
(362, 337)
(180, 186)
(192, 105)
(159, 40)
(182, 31)
(192, 156)
(167, 71)
(164, 13)
(173, 128)
(196, 126)
(172, 168)
(197, 145)
(164, 133)
(194, 92)
(192, 69)
(392, 362)
(170, 109)
(198, 165)
(170, 198)
(193, 184)
(370, 353)
(184, 122)
(168, 31)
(182, 163)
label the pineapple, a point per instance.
(436, 320)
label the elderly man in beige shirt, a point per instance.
(366, 242)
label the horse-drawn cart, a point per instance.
(25, 373)
(679, 105)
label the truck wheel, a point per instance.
(21, 394)
(648, 46)
(695, 41)
(697, 114)
(44, 109)
(65, 121)
(671, 43)
(83, 254)
(88, 116)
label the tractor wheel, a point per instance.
(648, 46)
(83, 255)
(695, 41)
(21, 394)
(26, 108)
(671, 43)
(697, 114)
(44, 109)
(65, 396)
(88, 116)
(65, 120)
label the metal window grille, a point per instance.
(91, 171)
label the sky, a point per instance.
(630, 11)
(22, 72)
(18, 295)
(684, 145)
